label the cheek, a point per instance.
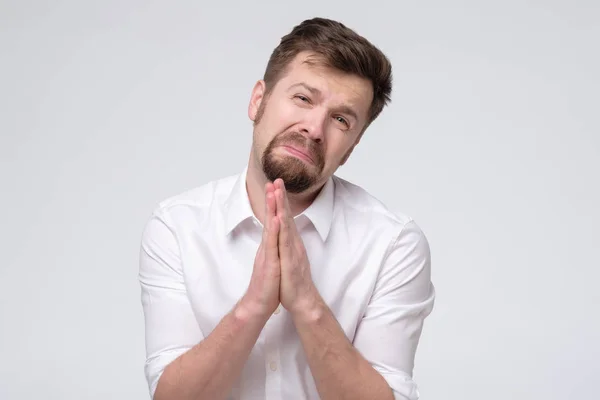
(283, 113)
(337, 148)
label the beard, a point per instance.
(297, 175)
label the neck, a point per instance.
(255, 186)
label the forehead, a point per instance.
(335, 87)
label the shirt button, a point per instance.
(273, 366)
(277, 311)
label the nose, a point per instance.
(313, 126)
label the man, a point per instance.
(286, 281)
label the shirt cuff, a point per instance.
(155, 367)
(402, 385)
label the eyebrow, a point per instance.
(344, 109)
(311, 89)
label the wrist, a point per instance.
(309, 309)
(248, 310)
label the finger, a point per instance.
(278, 190)
(284, 225)
(268, 189)
(260, 254)
(272, 228)
(287, 210)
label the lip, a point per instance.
(298, 153)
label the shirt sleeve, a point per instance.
(403, 297)
(170, 325)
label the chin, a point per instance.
(296, 176)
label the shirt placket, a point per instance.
(272, 345)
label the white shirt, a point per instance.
(371, 266)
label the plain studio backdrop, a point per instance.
(491, 144)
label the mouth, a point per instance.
(296, 152)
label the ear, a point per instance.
(256, 98)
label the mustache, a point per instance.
(299, 140)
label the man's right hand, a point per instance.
(262, 296)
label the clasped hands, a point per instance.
(281, 272)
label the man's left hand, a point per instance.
(298, 293)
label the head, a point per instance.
(323, 86)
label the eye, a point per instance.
(302, 98)
(342, 120)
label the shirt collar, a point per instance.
(237, 207)
(320, 212)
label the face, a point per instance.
(309, 123)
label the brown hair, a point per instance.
(337, 47)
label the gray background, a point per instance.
(491, 143)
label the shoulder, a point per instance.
(363, 209)
(352, 196)
(197, 201)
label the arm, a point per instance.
(209, 369)
(390, 330)
(380, 364)
(181, 362)
(340, 371)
